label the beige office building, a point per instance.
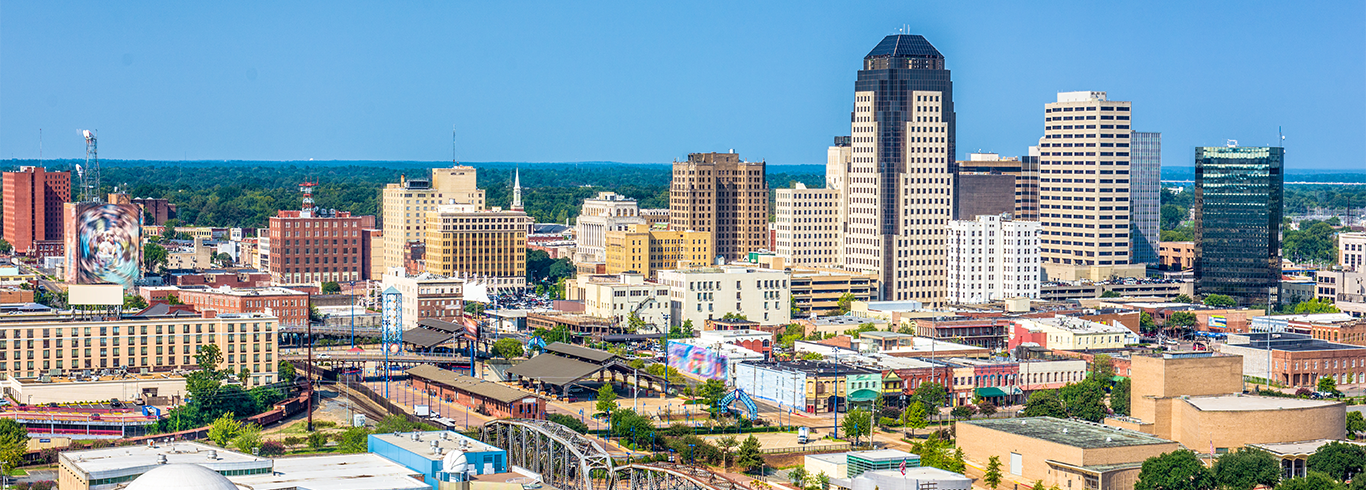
(407, 203)
(647, 251)
(464, 240)
(1084, 188)
(808, 226)
(723, 195)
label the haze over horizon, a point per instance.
(636, 83)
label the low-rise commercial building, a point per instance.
(427, 295)
(289, 305)
(1176, 255)
(1061, 452)
(70, 389)
(645, 250)
(497, 400)
(425, 453)
(1164, 289)
(1071, 333)
(810, 386)
(1296, 359)
(619, 297)
(1346, 290)
(761, 295)
(582, 326)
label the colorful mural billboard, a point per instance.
(104, 244)
(698, 361)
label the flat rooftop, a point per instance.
(1249, 403)
(1299, 448)
(832, 458)
(446, 440)
(880, 455)
(135, 460)
(128, 378)
(1075, 433)
(365, 471)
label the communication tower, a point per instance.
(89, 176)
(307, 189)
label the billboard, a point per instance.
(695, 360)
(95, 294)
(104, 243)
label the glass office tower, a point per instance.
(1145, 197)
(1238, 205)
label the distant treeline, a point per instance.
(246, 194)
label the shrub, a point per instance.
(44, 485)
(101, 443)
(317, 440)
(48, 455)
(294, 440)
(272, 448)
(888, 422)
(324, 424)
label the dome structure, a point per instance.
(455, 462)
(181, 477)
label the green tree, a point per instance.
(1220, 301)
(317, 440)
(1171, 216)
(1245, 469)
(607, 399)
(134, 302)
(1146, 323)
(1182, 298)
(1103, 366)
(1085, 400)
(963, 412)
(507, 348)
(331, 287)
(1119, 396)
(1110, 293)
(1315, 480)
(812, 356)
(173, 299)
(286, 371)
(1327, 384)
(845, 303)
(798, 477)
(1317, 305)
(727, 444)
(1044, 403)
(1356, 424)
(864, 327)
(748, 457)
(857, 423)
(932, 395)
(1339, 460)
(5, 247)
(243, 376)
(247, 438)
(475, 309)
(154, 257)
(1181, 319)
(354, 440)
(1177, 470)
(223, 429)
(13, 444)
(992, 477)
(914, 416)
(733, 316)
(569, 421)
(710, 392)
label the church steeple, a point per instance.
(517, 190)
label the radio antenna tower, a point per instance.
(454, 160)
(307, 189)
(90, 175)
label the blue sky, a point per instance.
(653, 81)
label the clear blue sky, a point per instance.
(653, 81)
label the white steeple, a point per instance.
(517, 190)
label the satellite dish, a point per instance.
(454, 463)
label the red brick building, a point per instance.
(309, 247)
(289, 305)
(34, 214)
(229, 279)
(498, 400)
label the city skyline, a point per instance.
(301, 82)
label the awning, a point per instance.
(865, 395)
(554, 370)
(990, 392)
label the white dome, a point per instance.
(181, 477)
(454, 462)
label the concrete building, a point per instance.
(987, 184)
(810, 386)
(157, 343)
(1061, 452)
(990, 258)
(1071, 333)
(1145, 197)
(1084, 188)
(1025, 170)
(817, 290)
(647, 251)
(463, 240)
(288, 305)
(1238, 207)
(608, 211)
(618, 297)
(33, 210)
(1347, 290)
(1176, 255)
(761, 295)
(75, 389)
(721, 194)
(427, 296)
(407, 203)
(316, 246)
(581, 325)
(807, 226)
(1196, 399)
(900, 189)
(425, 452)
(1352, 251)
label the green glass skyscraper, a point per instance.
(1238, 205)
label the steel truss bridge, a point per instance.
(566, 460)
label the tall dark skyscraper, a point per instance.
(900, 187)
(1145, 196)
(1238, 205)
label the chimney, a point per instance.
(210, 314)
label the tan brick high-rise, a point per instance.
(724, 195)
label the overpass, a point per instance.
(373, 356)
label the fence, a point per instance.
(809, 448)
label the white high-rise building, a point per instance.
(1084, 179)
(991, 258)
(808, 228)
(607, 212)
(760, 295)
(899, 185)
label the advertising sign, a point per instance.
(698, 361)
(104, 244)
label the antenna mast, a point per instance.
(453, 159)
(90, 175)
